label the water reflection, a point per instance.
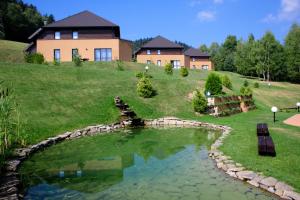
(138, 164)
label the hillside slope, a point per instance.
(55, 99)
(11, 51)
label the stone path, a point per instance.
(294, 121)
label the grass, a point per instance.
(11, 51)
(55, 99)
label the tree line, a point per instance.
(266, 57)
(19, 20)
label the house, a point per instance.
(86, 34)
(199, 60)
(160, 51)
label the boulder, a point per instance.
(282, 186)
(291, 195)
(246, 175)
(269, 181)
(12, 165)
(254, 183)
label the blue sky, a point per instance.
(194, 22)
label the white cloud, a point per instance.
(218, 1)
(206, 16)
(289, 10)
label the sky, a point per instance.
(194, 22)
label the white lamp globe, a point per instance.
(274, 109)
(146, 67)
(208, 93)
(298, 104)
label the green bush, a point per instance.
(56, 63)
(199, 102)
(184, 72)
(144, 88)
(246, 91)
(36, 58)
(256, 85)
(77, 60)
(120, 66)
(169, 69)
(213, 84)
(142, 74)
(226, 82)
(246, 83)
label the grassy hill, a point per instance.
(11, 51)
(54, 99)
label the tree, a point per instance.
(144, 88)
(245, 57)
(213, 84)
(199, 102)
(203, 48)
(48, 19)
(292, 53)
(270, 58)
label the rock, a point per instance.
(12, 165)
(248, 175)
(282, 186)
(269, 181)
(232, 174)
(220, 165)
(254, 183)
(291, 194)
(236, 169)
(271, 189)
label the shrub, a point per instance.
(256, 85)
(246, 83)
(144, 88)
(77, 60)
(184, 72)
(120, 66)
(213, 84)
(56, 63)
(36, 58)
(142, 74)
(169, 69)
(199, 102)
(246, 91)
(226, 82)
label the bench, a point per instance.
(262, 129)
(266, 146)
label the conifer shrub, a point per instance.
(169, 69)
(144, 88)
(213, 84)
(184, 72)
(226, 82)
(199, 102)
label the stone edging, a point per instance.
(10, 182)
(226, 164)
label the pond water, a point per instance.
(133, 164)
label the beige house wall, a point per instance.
(120, 50)
(198, 64)
(164, 59)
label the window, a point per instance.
(103, 54)
(158, 52)
(75, 35)
(148, 62)
(57, 55)
(176, 64)
(74, 53)
(148, 52)
(205, 67)
(159, 63)
(194, 59)
(57, 35)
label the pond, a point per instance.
(133, 164)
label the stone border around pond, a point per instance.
(10, 182)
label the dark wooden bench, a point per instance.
(262, 129)
(266, 146)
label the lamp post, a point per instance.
(208, 94)
(146, 68)
(298, 105)
(274, 109)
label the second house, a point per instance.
(161, 51)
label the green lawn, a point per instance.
(55, 99)
(11, 51)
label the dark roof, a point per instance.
(192, 52)
(82, 19)
(161, 42)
